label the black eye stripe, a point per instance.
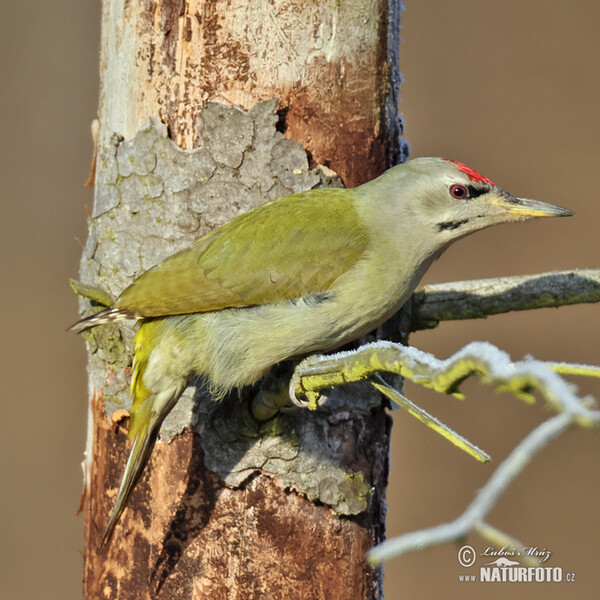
(468, 192)
(477, 191)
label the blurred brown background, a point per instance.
(511, 88)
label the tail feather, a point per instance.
(108, 315)
(144, 425)
(138, 457)
(148, 411)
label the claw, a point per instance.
(311, 400)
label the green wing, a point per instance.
(270, 254)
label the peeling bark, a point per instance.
(326, 61)
(230, 507)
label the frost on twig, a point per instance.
(481, 298)
(492, 366)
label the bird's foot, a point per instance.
(268, 401)
(297, 393)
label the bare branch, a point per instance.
(481, 298)
(493, 367)
(486, 498)
(422, 415)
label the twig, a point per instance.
(494, 367)
(422, 415)
(481, 298)
(486, 498)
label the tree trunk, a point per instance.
(191, 134)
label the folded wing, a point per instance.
(288, 248)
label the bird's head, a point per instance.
(450, 200)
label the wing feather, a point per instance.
(267, 255)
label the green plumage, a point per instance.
(303, 273)
(255, 259)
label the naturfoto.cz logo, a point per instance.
(505, 569)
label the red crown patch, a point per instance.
(472, 174)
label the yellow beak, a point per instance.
(526, 207)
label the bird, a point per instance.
(306, 272)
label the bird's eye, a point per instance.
(458, 191)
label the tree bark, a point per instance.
(190, 134)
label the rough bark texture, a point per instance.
(187, 535)
(326, 61)
(230, 507)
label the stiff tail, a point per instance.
(108, 315)
(144, 425)
(138, 457)
(148, 411)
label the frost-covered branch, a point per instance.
(492, 366)
(484, 297)
(486, 499)
(317, 373)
